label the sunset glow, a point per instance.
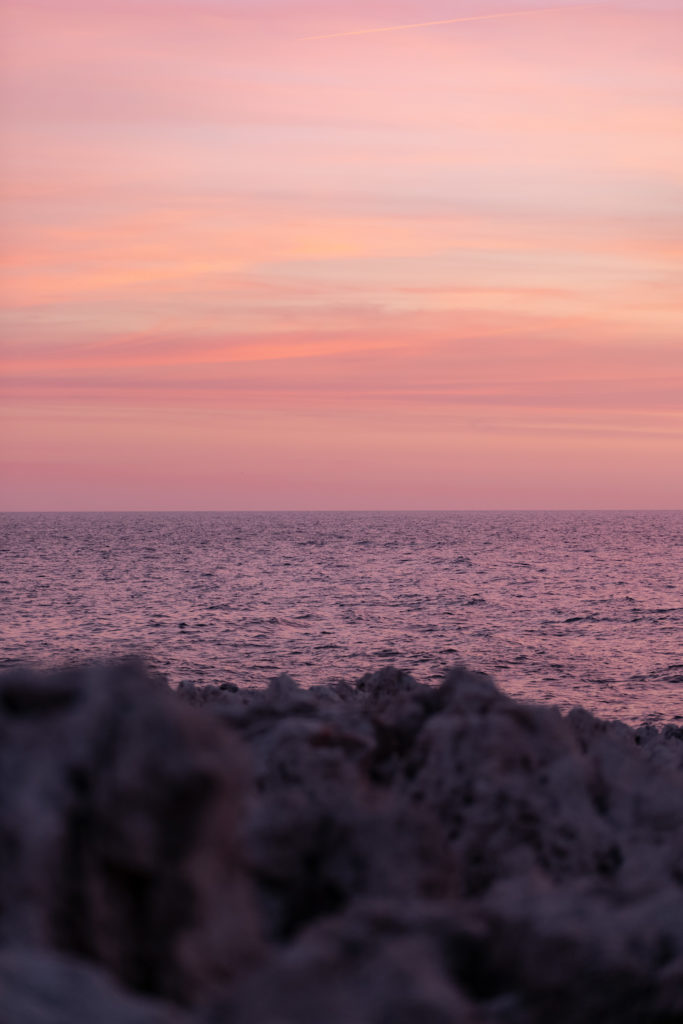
(278, 254)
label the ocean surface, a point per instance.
(567, 608)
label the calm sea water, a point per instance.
(569, 608)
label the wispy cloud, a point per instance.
(495, 16)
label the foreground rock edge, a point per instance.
(384, 851)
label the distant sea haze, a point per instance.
(567, 608)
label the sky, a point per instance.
(318, 254)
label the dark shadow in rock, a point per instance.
(118, 814)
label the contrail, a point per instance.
(448, 21)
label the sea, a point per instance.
(565, 608)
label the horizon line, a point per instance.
(316, 511)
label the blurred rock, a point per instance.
(407, 853)
(49, 988)
(118, 811)
(375, 964)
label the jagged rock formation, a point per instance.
(385, 852)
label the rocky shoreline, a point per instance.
(379, 853)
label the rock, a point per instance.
(321, 836)
(407, 853)
(582, 818)
(49, 988)
(573, 954)
(374, 964)
(521, 788)
(118, 812)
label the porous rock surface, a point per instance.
(369, 854)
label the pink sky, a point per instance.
(436, 267)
